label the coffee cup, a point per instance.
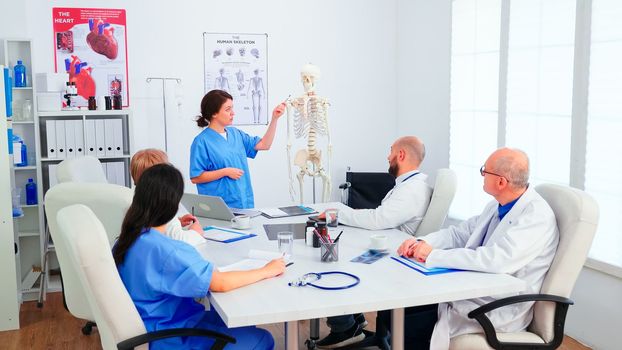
(378, 242)
(241, 222)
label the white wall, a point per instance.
(355, 53)
(596, 316)
(423, 66)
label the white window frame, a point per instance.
(579, 114)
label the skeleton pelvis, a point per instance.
(303, 158)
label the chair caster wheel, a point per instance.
(310, 343)
(39, 305)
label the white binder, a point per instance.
(120, 173)
(118, 137)
(50, 133)
(111, 173)
(105, 169)
(109, 137)
(100, 143)
(60, 140)
(79, 134)
(70, 139)
(52, 175)
(91, 144)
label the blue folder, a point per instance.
(242, 235)
(421, 268)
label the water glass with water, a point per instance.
(286, 243)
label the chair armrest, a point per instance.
(561, 308)
(345, 185)
(221, 339)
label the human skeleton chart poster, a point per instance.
(238, 64)
(91, 45)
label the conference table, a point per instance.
(384, 284)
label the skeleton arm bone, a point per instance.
(329, 154)
(292, 191)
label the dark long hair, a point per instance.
(156, 201)
(210, 105)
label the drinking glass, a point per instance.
(286, 243)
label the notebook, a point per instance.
(282, 212)
(256, 259)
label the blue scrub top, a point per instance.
(163, 276)
(210, 151)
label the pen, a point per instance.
(339, 235)
(289, 264)
(193, 214)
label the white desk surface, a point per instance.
(385, 284)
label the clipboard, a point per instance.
(421, 268)
(282, 212)
(223, 235)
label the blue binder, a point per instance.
(241, 236)
(421, 268)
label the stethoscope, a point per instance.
(308, 278)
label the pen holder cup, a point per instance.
(329, 252)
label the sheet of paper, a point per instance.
(273, 212)
(244, 265)
(256, 259)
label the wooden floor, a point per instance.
(53, 327)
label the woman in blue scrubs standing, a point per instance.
(218, 164)
(163, 275)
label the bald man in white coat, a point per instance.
(402, 208)
(515, 234)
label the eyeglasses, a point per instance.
(482, 171)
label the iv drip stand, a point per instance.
(164, 79)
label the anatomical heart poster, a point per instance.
(238, 63)
(91, 45)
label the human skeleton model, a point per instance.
(255, 87)
(310, 120)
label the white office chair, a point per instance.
(577, 218)
(118, 321)
(109, 202)
(81, 169)
(442, 196)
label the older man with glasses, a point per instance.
(515, 234)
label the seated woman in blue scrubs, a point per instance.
(218, 164)
(163, 276)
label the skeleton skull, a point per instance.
(309, 74)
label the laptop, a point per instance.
(213, 207)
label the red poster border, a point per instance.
(80, 9)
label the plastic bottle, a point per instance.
(19, 74)
(31, 192)
(24, 155)
(19, 146)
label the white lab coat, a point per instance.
(523, 245)
(403, 207)
(175, 231)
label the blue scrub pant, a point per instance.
(247, 338)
